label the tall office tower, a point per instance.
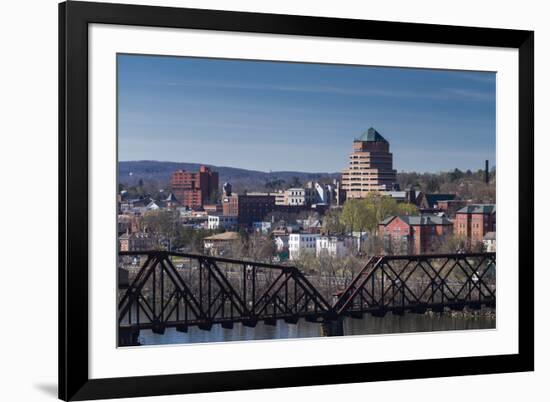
(370, 166)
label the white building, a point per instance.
(323, 193)
(311, 224)
(332, 246)
(358, 238)
(299, 242)
(300, 196)
(227, 222)
(281, 242)
(280, 197)
(490, 242)
(152, 206)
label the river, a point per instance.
(368, 325)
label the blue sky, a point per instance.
(296, 116)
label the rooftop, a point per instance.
(371, 135)
(478, 209)
(419, 220)
(433, 199)
(171, 198)
(224, 236)
(399, 194)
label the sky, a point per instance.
(274, 116)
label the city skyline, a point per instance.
(273, 116)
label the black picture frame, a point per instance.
(74, 18)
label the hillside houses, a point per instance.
(307, 217)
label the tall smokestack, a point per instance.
(486, 171)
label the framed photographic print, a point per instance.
(257, 200)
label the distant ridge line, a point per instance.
(129, 172)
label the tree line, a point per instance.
(467, 185)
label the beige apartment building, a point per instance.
(281, 198)
(370, 166)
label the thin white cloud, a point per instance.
(444, 94)
(486, 77)
(478, 95)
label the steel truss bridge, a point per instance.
(179, 290)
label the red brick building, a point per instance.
(230, 205)
(254, 207)
(193, 189)
(449, 207)
(251, 207)
(129, 223)
(213, 208)
(475, 221)
(415, 234)
(138, 241)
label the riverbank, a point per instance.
(467, 313)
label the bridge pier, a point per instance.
(128, 336)
(332, 327)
